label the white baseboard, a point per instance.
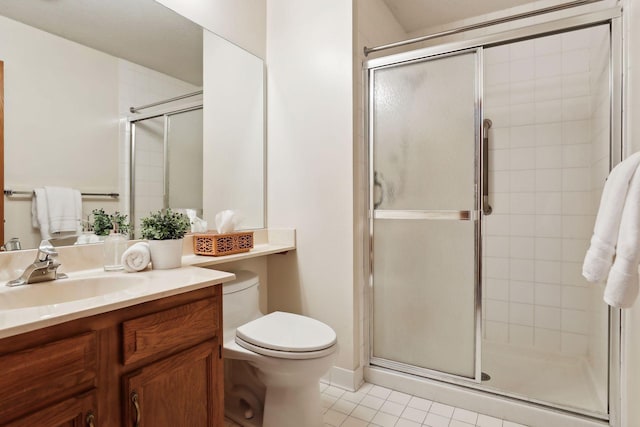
(344, 378)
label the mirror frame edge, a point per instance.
(2, 149)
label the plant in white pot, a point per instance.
(164, 230)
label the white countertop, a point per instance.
(138, 288)
(29, 307)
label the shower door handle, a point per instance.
(378, 190)
(486, 207)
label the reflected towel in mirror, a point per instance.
(56, 210)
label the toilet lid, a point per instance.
(287, 332)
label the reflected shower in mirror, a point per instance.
(74, 68)
(166, 159)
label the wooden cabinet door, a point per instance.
(77, 411)
(181, 390)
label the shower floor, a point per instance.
(560, 379)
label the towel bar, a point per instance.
(9, 193)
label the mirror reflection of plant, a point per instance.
(165, 225)
(103, 222)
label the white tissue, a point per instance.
(198, 225)
(226, 221)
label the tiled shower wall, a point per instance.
(546, 160)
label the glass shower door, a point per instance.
(424, 178)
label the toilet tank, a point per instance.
(240, 301)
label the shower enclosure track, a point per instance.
(484, 24)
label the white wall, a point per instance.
(310, 163)
(57, 131)
(242, 22)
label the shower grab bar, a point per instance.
(486, 207)
(417, 214)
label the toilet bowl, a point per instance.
(273, 362)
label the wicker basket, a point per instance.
(222, 244)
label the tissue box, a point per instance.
(222, 244)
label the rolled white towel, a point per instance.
(137, 257)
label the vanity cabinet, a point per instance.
(74, 412)
(174, 391)
(157, 363)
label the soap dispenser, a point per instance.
(114, 246)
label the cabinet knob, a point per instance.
(136, 405)
(90, 419)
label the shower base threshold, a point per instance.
(479, 399)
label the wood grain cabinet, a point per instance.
(153, 364)
(174, 391)
(73, 412)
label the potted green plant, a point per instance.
(103, 222)
(165, 230)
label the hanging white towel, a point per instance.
(56, 210)
(599, 257)
(622, 284)
(40, 213)
(65, 209)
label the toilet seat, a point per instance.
(287, 336)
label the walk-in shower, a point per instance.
(166, 158)
(487, 159)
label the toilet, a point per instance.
(273, 362)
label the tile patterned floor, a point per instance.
(375, 406)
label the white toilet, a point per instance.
(273, 362)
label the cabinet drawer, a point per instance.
(66, 367)
(173, 329)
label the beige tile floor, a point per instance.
(375, 406)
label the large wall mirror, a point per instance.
(73, 69)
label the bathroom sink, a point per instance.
(68, 290)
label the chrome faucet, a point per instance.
(43, 269)
(12, 245)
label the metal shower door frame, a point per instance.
(611, 17)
